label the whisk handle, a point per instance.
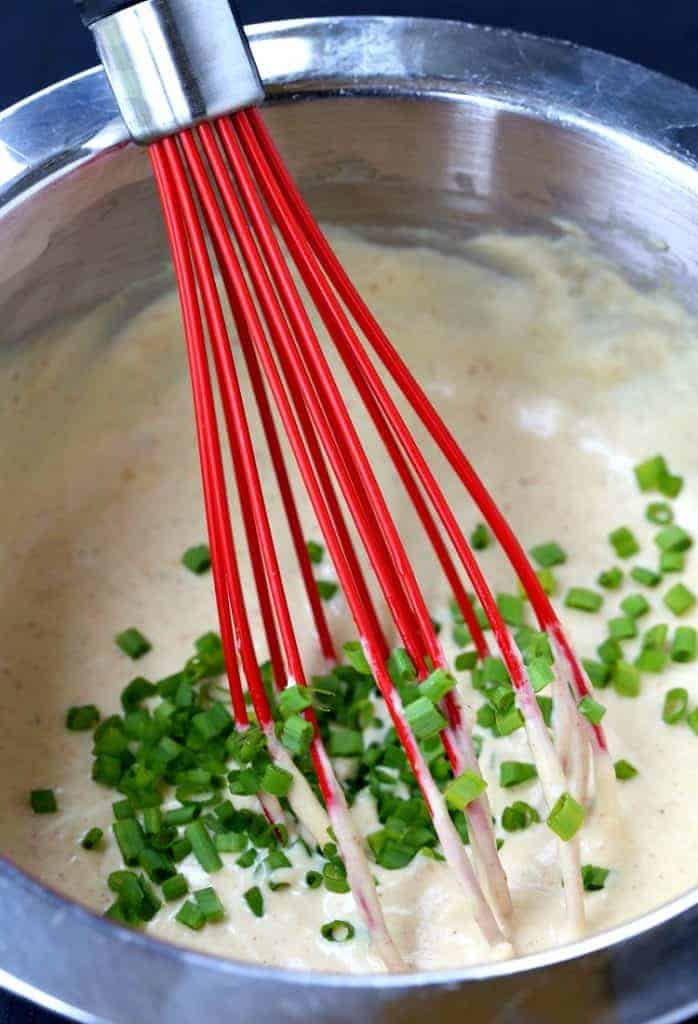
(172, 64)
(94, 10)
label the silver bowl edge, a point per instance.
(121, 976)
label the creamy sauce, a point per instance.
(557, 377)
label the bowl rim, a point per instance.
(651, 126)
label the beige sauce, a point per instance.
(557, 377)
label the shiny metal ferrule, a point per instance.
(175, 63)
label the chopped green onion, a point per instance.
(175, 887)
(591, 709)
(647, 577)
(313, 879)
(683, 646)
(519, 816)
(43, 801)
(247, 860)
(316, 551)
(566, 817)
(276, 781)
(635, 605)
(511, 609)
(594, 877)
(152, 820)
(670, 486)
(354, 653)
(513, 773)
(673, 538)
(625, 679)
(494, 670)
(656, 637)
(245, 782)
(326, 589)
(502, 698)
(622, 628)
(130, 894)
(335, 877)
(91, 839)
(191, 916)
(209, 904)
(130, 840)
(546, 709)
(651, 659)
(132, 642)
(650, 472)
(113, 742)
(230, 842)
(401, 666)
(547, 581)
(202, 847)
(346, 743)
(465, 661)
(210, 647)
(118, 880)
(180, 815)
(464, 789)
(122, 809)
(277, 859)
(672, 561)
(485, 717)
(156, 865)
(297, 735)
(610, 579)
(180, 849)
(79, 719)
(582, 599)
(437, 685)
(255, 901)
(293, 699)
(598, 672)
(509, 721)
(625, 770)
(107, 770)
(623, 542)
(692, 720)
(679, 599)
(610, 651)
(659, 512)
(212, 722)
(337, 931)
(480, 537)
(462, 635)
(675, 705)
(197, 559)
(424, 719)
(548, 555)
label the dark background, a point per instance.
(43, 40)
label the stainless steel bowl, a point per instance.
(400, 124)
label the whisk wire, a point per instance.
(406, 626)
(356, 865)
(418, 400)
(253, 196)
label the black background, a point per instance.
(43, 41)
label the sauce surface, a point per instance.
(557, 377)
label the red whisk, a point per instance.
(223, 181)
